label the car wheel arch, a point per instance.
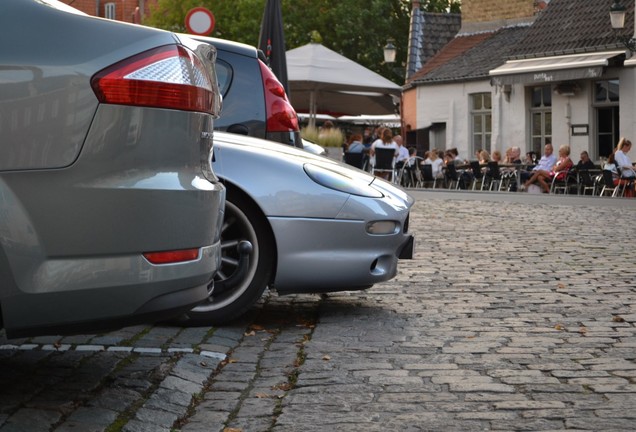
(234, 191)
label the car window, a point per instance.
(224, 75)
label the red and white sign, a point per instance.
(199, 21)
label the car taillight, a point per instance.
(281, 116)
(171, 257)
(170, 76)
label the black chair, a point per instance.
(492, 177)
(585, 182)
(355, 159)
(427, 176)
(478, 174)
(451, 176)
(608, 184)
(384, 162)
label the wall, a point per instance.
(449, 103)
(474, 11)
(124, 9)
(627, 77)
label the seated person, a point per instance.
(546, 163)
(585, 163)
(437, 162)
(559, 170)
(624, 163)
(355, 144)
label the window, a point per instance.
(606, 115)
(540, 117)
(481, 118)
(109, 11)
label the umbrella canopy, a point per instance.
(271, 40)
(323, 81)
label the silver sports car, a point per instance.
(315, 225)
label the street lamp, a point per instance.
(617, 17)
(389, 51)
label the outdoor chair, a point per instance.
(427, 178)
(624, 183)
(608, 184)
(409, 174)
(478, 174)
(451, 176)
(384, 162)
(492, 177)
(563, 182)
(357, 160)
(585, 182)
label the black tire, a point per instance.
(243, 221)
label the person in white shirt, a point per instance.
(624, 163)
(622, 160)
(437, 162)
(546, 163)
(403, 152)
(386, 141)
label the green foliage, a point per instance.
(357, 29)
(326, 137)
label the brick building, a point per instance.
(132, 11)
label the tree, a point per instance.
(357, 29)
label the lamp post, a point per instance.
(389, 51)
(617, 17)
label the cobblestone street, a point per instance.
(517, 313)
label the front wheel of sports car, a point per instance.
(243, 222)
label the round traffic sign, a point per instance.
(199, 21)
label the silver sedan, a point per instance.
(315, 225)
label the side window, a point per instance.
(223, 75)
(606, 111)
(481, 121)
(540, 117)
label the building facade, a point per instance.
(523, 73)
(131, 11)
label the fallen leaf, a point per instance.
(561, 286)
(583, 329)
(232, 360)
(257, 327)
(252, 333)
(204, 364)
(232, 430)
(617, 318)
(559, 327)
(326, 357)
(262, 395)
(282, 386)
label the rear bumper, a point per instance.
(72, 239)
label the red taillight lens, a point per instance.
(281, 116)
(166, 77)
(170, 257)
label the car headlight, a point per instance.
(340, 182)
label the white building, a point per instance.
(562, 75)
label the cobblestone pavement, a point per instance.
(517, 313)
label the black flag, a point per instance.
(271, 41)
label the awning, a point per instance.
(550, 69)
(630, 61)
